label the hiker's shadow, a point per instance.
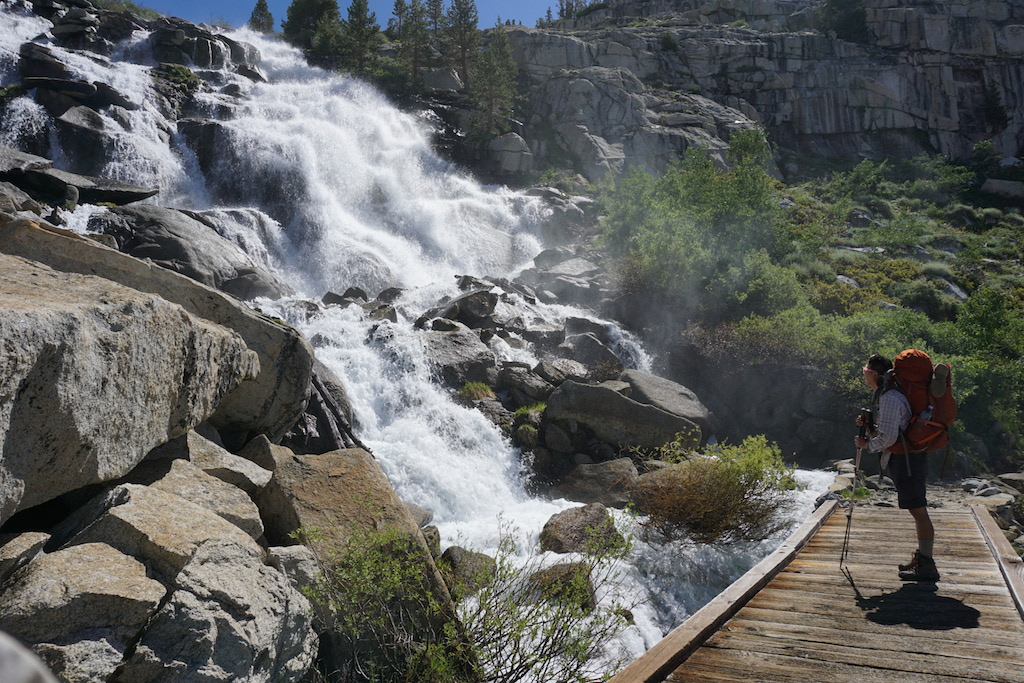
(919, 606)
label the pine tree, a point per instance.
(360, 34)
(415, 39)
(435, 17)
(463, 35)
(326, 43)
(493, 91)
(397, 22)
(304, 18)
(261, 19)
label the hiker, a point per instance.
(892, 411)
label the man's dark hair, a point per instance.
(879, 363)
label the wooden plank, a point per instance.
(661, 659)
(1010, 563)
(980, 637)
(932, 665)
(749, 667)
(902, 641)
(816, 603)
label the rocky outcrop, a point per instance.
(230, 617)
(191, 246)
(270, 403)
(81, 608)
(607, 483)
(580, 530)
(218, 608)
(617, 419)
(97, 377)
(458, 354)
(669, 396)
(613, 95)
(35, 176)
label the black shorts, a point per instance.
(910, 486)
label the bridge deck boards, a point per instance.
(815, 622)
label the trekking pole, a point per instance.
(853, 491)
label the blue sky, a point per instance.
(236, 12)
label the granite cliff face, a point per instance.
(632, 84)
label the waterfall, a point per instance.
(320, 178)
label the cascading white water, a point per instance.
(360, 199)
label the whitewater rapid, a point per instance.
(330, 186)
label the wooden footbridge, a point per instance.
(797, 616)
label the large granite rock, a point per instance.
(607, 483)
(344, 496)
(95, 375)
(616, 419)
(579, 530)
(190, 245)
(229, 616)
(670, 396)
(185, 479)
(458, 355)
(80, 609)
(270, 403)
(215, 461)
(232, 618)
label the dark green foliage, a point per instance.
(462, 35)
(306, 17)
(389, 626)
(415, 47)
(493, 85)
(669, 43)
(992, 107)
(326, 43)
(387, 619)
(360, 35)
(9, 92)
(436, 18)
(702, 235)
(847, 18)
(261, 19)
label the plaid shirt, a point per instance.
(893, 416)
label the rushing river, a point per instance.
(331, 186)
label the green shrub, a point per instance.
(937, 269)
(524, 626)
(473, 391)
(669, 43)
(699, 231)
(387, 621)
(521, 621)
(529, 414)
(728, 493)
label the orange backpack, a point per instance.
(929, 391)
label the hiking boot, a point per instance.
(940, 374)
(924, 571)
(914, 561)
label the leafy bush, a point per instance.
(518, 626)
(727, 493)
(528, 625)
(699, 234)
(387, 621)
(669, 43)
